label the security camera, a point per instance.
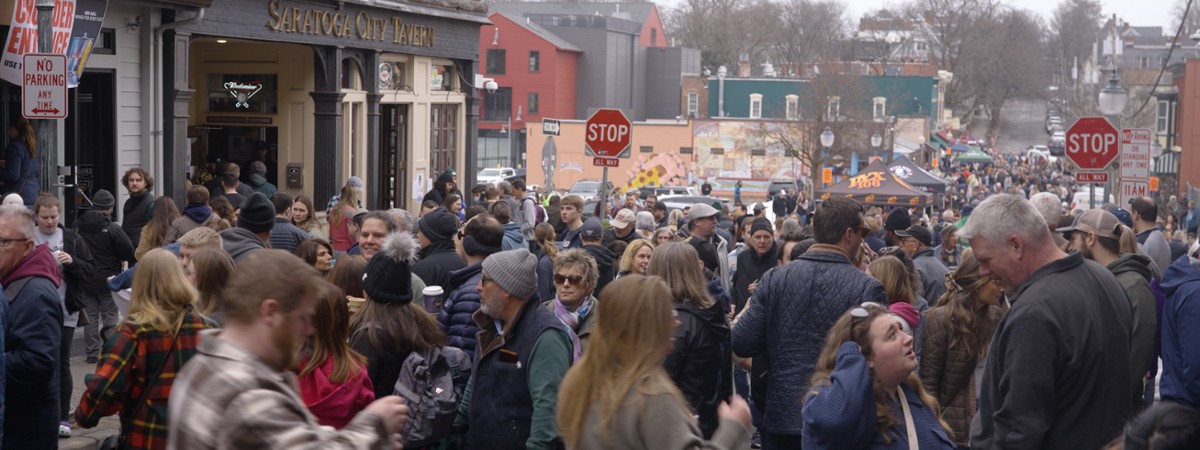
(491, 86)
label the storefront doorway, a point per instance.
(393, 126)
(94, 140)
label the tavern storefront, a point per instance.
(329, 89)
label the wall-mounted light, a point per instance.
(133, 22)
(496, 36)
(222, 41)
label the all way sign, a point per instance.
(44, 86)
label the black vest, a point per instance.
(501, 409)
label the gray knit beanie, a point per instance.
(515, 271)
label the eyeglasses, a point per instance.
(4, 242)
(563, 279)
(486, 279)
(860, 312)
(863, 230)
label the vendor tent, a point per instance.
(960, 147)
(904, 169)
(876, 185)
(974, 156)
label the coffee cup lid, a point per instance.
(432, 290)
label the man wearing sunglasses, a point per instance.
(793, 309)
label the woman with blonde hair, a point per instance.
(701, 359)
(955, 341)
(674, 219)
(339, 219)
(636, 258)
(877, 400)
(305, 217)
(158, 231)
(332, 376)
(139, 363)
(618, 396)
(546, 239)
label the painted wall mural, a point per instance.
(663, 169)
(745, 151)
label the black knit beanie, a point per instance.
(438, 225)
(258, 214)
(388, 276)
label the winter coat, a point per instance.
(335, 404)
(948, 373)
(933, 274)
(240, 242)
(285, 236)
(843, 414)
(606, 261)
(657, 421)
(191, 218)
(136, 214)
(545, 277)
(585, 329)
(1180, 379)
(20, 171)
(109, 247)
(513, 239)
(438, 259)
(1153, 243)
(1133, 272)
(260, 184)
(460, 305)
(700, 364)
(792, 311)
(81, 270)
(750, 268)
(1070, 315)
(32, 336)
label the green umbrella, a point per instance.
(974, 156)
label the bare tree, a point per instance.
(723, 30)
(957, 25)
(805, 31)
(1190, 20)
(1014, 64)
(1074, 27)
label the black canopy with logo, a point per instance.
(904, 169)
(876, 185)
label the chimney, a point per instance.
(744, 65)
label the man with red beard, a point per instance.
(236, 391)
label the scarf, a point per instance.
(573, 319)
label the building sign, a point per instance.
(76, 24)
(334, 23)
(242, 92)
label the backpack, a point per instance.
(540, 212)
(432, 383)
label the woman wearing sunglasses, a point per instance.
(575, 276)
(864, 391)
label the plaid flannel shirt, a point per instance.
(227, 398)
(126, 369)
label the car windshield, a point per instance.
(489, 173)
(585, 186)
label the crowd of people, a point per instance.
(507, 319)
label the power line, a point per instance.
(1167, 60)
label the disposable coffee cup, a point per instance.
(433, 298)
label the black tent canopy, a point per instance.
(876, 185)
(904, 169)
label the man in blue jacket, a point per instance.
(794, 308)
(1180, 330)
(482, 236)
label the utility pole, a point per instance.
(47, 130)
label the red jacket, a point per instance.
(335, 404)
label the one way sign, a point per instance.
(44, 86)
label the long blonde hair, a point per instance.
(633, 331)
(627, 258)
(349, 199)
(678, 264)
(161, 292)
(897, 282)
(847, 329)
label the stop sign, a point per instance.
(608, 134)
(1092, 143)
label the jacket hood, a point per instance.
(336, 404)
(1132, 262)
(240, 241)
(93, 221)
(436, 247)
(460, 276)
(513, 229)
(198, 212)
(713, 318)
(257, 180)
(602, 254)
(38, 263)
(1182, 271)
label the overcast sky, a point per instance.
(1136, 12)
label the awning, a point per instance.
(904, 169)
(938, 141)
(876, 185)
(1167, 163)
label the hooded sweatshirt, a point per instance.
(700, 364)
(1133, 272)
(260, 184)
(32, 338)
(513, 239)
(239, 242)
(606, 262)
(436, 261)
(335, 404)
(750, 267)
(1180, 355)
(109, 246)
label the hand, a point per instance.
(753, 286)
(63, 257)
(393, 410)
(736, 409)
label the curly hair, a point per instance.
(140, 171)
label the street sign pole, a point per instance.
(603, 194)
(48, 130)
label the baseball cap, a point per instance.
(898, 221)
(356, 182)
(624, 218)
(1098, 221)
(592, 229)
(701, 210)
(919, 233)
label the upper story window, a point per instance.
(495, 61)
(834, 109)
(755, 106)
(497, 106)
(693, 105)
(1162, 117)
(653, 37)
(879, 108)
(793, 107)
(535, 61)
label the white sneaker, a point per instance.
(64, 429)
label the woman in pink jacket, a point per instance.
(333, 377)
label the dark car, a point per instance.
(781, 184)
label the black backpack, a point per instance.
(432, 383)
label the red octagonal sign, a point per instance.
(608, 134)
(1092, 143)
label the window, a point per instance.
(879, 108)
(441, 78)
(106, 42)
(532, 103)
(758, 152)
(922, 46)
(443, 137)
(793, 107)
(693, 105)
(535, 62)
(653, 37)
(755, 106)
(1162, 117)
(685, 150)
(497, 106)
(717, 151)
(495, 61)
(646, 149)
(834, 108)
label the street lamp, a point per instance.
(876, 141)
(1113, 98)
(826, 142)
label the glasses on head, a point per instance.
(563, 279)
(5, 242)
(861, 312)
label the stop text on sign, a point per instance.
(1097, 143)
(607, 132)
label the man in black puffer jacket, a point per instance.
(435, 233)
(481, 238)
(795, 306)
(110, 246)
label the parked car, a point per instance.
(587, 189)
(779, 184)
(662, 191)
(1053, 121)
(492, 175)
(1082, 199)
(682, 201)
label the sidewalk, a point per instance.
(84, 438)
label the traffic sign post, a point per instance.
(1135, 164)
(1131, 189)
(608, 135)
(44, 86)
(1091, 177)
(551, 127)
(1091, 143)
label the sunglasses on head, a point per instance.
(860, 312)
(563, 279)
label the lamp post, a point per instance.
(1111, 101)
(876, 141)
(826, 142)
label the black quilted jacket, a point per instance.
(788, 318)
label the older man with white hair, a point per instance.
(1050, 207)
(1056, 374)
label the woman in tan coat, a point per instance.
(955, 341)
(619, 396)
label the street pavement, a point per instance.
(82, 439)
(1022, 124)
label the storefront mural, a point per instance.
(745, 150)
(663, 169)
